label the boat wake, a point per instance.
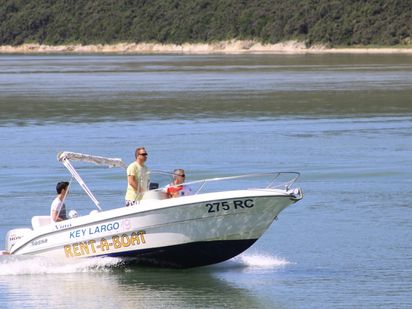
(256, 261)
(23, 265)
(262, 261)
(19, 265)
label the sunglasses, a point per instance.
(143, 154)
(181, 175)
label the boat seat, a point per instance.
(154, 195)
(38, 221)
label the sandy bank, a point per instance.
(227, 47)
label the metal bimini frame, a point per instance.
(65, 157)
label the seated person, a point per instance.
(58, 208)
(173, 189)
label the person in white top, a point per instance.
(58, 208)
(173, 189)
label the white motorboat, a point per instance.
(212, 225)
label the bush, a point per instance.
(177, 21)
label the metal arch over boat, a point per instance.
(212, 225)
(111, 162)
(66, 156)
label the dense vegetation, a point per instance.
(332, 22)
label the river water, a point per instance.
(343, 121)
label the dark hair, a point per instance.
(61, 185)
(136, 152)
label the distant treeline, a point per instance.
(331, 22)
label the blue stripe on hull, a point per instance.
(187, 255)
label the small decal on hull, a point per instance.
(105, 246)
(62, 226)
(39, 242)
(229, 205)
(94, 230)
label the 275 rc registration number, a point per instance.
(227, 205)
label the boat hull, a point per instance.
(185, 232)
(187, 255)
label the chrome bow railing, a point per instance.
(273, 180)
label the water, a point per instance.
(344, 122)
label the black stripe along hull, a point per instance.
(187, 255)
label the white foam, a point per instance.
(23, 265)
(12, 265)
(262, 261)
(254, 261)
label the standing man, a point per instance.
(137, 178)
(58, 208)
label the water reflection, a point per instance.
(128, 288)
(39, 89)
(354, 221)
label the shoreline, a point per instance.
(224, 47)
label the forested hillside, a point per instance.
(331, 22)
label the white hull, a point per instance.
(181, 232)
(194, 230)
